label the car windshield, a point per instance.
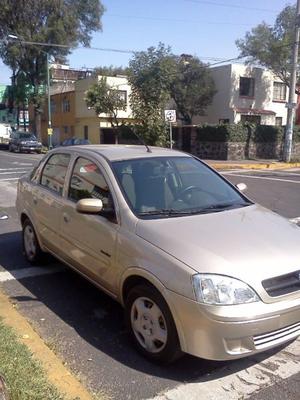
(26, 136)
(160, 187)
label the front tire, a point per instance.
(151, 325)
(31, 247)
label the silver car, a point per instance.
(198, 267)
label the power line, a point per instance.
(164, 19)
(65, 46)
(212, 3)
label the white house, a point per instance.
(246, 93)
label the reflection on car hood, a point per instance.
(249, 243)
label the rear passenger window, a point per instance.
(54, 172)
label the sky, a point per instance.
(204, 28)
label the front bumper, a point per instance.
(30, 148)
(229, 332)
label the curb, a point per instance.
(272, 165)
(56, 372)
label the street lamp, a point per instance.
(21, 40)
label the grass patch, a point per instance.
(25, 377)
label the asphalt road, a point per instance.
(85, 327)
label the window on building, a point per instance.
(279, 91)
(54, 172)
(122, 95)
(86, 132)
(254, 119)
(278, 121)
(247, 86)
(66, 105)
(66, 129)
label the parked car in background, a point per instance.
(198, 267)
(5, 133)
(75, 142)
(24, 142)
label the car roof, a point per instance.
(124, 152)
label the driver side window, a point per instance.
(87, 181)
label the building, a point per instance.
(98, 128)
(62, 117)
(246, 93)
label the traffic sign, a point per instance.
(170, 115)
(50, 131)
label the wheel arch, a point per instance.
(135, 276)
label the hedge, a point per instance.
(244, 133)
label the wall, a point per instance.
(235, 150)
(63, 122)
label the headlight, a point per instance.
(222, 290)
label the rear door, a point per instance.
(47, 200)
(89, 240)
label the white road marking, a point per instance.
(263, 178)
(22, 273)
(242, 384)
(8, 179)
(13, 172)
(13, 169)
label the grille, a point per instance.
(275, 337)
(282, 284)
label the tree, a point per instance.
(106, 99)
(110, 71)
(149, 73)
(158, 79)
(270, 46)
(64, 22)
(192, 88)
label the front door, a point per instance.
(89, 239)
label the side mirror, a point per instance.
(241, 186)
(89, 206)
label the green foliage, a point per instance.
(192, 87)
(222, 133)
(159, 78)
(65, 22)
(149, 73)
(242, 133)
(110, 71)
(106, 99)
(270, 46)
(24, 376)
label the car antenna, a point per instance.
(142, 141)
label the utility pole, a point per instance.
(292, 103)
(49, 106)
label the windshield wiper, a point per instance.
(166, 212)
(224, 206)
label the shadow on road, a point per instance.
(98, 320)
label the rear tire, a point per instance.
(151, 325)
(31, 248)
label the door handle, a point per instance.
(66, 217)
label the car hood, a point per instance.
(250, 243)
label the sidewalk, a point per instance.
(251, 164)
(67, 384)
